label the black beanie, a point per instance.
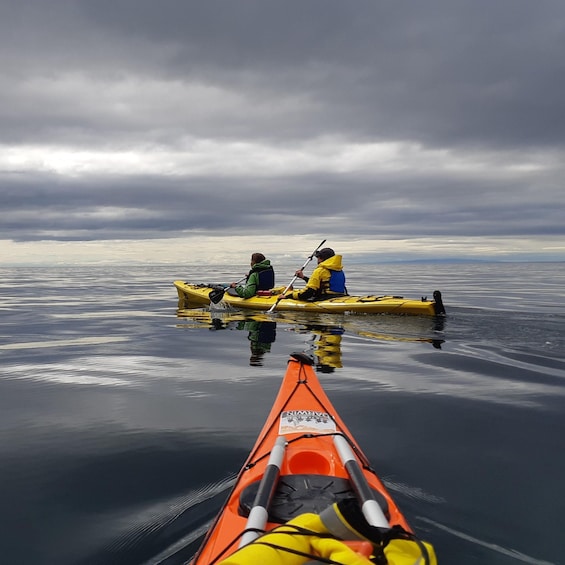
(325, 253)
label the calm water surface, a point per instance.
(124, 421)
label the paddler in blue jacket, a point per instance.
(327, 279)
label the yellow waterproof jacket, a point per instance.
(290, 544)
(319, 281)
(266, 548)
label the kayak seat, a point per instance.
(296, 494)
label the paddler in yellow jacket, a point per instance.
(326, 281)
(310, 536)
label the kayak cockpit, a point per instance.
(296, 494)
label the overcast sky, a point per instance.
(201, 131)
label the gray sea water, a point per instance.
(124, 421)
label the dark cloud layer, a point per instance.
(472, 93)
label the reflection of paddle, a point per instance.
(272, 308)
(218, 293)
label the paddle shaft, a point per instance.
(272, 308)
(239, 281)
(259, 514)
(369, 506)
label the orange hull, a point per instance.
(302, 414)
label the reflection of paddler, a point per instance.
(261, 336)
(327, 348)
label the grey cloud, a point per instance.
(150, 207)
(458, 75)
(437, 72)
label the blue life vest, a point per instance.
(337, 282)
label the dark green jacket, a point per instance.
(260, 277)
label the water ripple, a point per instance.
(518, 556)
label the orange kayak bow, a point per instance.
(304, 460)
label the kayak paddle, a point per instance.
(218, 293)
(272, 308)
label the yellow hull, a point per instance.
(197, 295)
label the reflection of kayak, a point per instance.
(304, 461)
(323, 327)
(198, 294)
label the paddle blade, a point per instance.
(216, 295)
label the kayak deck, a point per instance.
(305, 431)
(198, 295)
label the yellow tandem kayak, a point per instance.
(198, 295)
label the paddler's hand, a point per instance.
(299, 274)
(233, 285)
